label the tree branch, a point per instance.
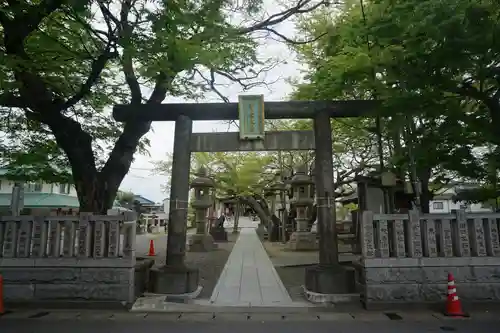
(303, 6)
(9, 100)
(125, 33)
(161, 87)
(292, 41)
(96, 69)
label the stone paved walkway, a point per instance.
(249, 277)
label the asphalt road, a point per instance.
(157, 326)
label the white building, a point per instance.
(40, 195)
(443, 200)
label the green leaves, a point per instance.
(433, 62)
(160, 46)
(233, 173)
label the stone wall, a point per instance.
(108, 280)
(86, 258)
(406, 258)
(392, 281)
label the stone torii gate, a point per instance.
(175, 278)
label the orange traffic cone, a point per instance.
(2, 309)
(151, 248)
(453, 303)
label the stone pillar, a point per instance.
(328, 277)
(175, 278)
(301, 239)
(202, 185)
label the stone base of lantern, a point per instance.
(302, 241)
(173, 280)
(329, 279)
(200, 243)
(218, 234)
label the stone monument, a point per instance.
(302, 239)
(202, 185)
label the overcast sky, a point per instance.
(140, 179)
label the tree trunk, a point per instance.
(42, 102)
(262, 212)
(96, 190)
(236, 217)
(426, 195)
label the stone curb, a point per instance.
(243, 316)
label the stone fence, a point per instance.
(68, 258)
(406, 257)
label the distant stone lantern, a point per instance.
(202, 186)
(270, 197)
(286, 179)
(280, 190)
(302, 186)
(277, 188)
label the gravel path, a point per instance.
(210, 264)
(293, 278)
(290, 266)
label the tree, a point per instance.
(452, 51)
(380, 50)
(353, 149)
(242, 176)
(64, 62)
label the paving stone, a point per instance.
(163, 317)
(370, 316)
(249, 276)
(194, 317)
(263, 317)
(96, 316)
(418, 316)
(301, 317)
(335, 316)
(232, 316)
(130, 316)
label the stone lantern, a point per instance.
(286, 179)
(301, 185)
(280, 190)
(270, 196)
(202, 186)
